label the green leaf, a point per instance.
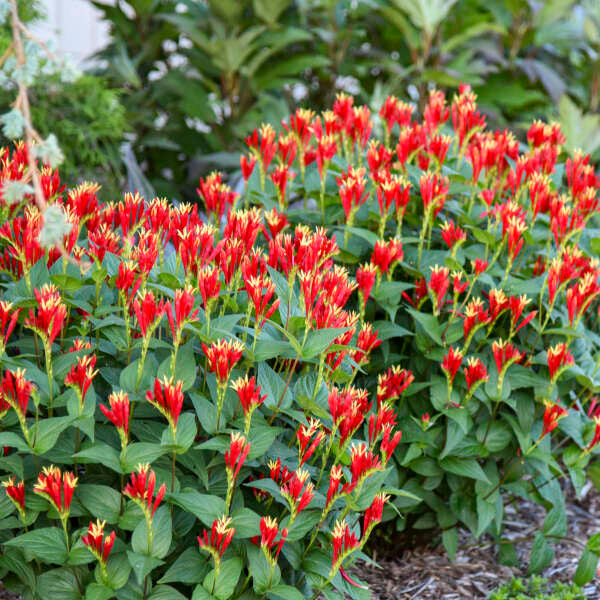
(98, 591)
(102, 501)
(161, 534)
(184, 437)
(103, 454)
(190, 567)
(273, 387)
(555, 523)
(429, 323)
(47, 432)
(260, 571)
(246, 523)
(450, 541)
(58, 584)
(206, 508)
(185, 367)
(318, 340)
(286, 592)
(141, 453)
(227, 579)
(165, 592)
(467, 467)
(129, 374)
(142, 564)
(541, 555)
(47, 544)
(586, 568)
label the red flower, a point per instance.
(236, 455)
(581, 295)
(277, 474)
(81, 375)
(249, 394)
(96, 543)
(374, 513)
(517, 305)
(260, 290)
(326, 149)
(141, 490)
(596, 437)
(118, 414)
(181, 310)
(387, 254)
(552, 415)
(148, 311)
(280, 177)
(348, 408)
(16, 493)
(505, 354)
(395, 111)
(392, 383)
(275, 223)
(559, 359)
(367, 342)
(304, 436)
(247, 165)
(298, 491)
(452, 362)
(57, 488)
(16, 391)
(128, 279)
(49, 318)
(452, 234)
(268, 532)
(218, 196)
(438, 285)
(388, 444)
(168, 399)
(475, 317)
(343, 542)
(8, 320)
(362, 463)
(265, 148)
(222, 357)
(352, 190)
(209, 285)
(434, 189)
(475, 373)
(335, 478)
(479, 266)
(365, 278)
(221, 534)
(498, 303)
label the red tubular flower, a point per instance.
(365, 278)
(49, 317)
(148, 311)
(452, 362)
(129, 213)
(96, 543)
(348, 408)
(452, 234)
(387, 254)
(217, 196)
(305, 435)
(265, 148)
(181, 310)
(392, 383)
(343, 542)
(16, 391)
(118, 414)
(458, 286)
(145, 252)
(57, 488)
(438, 285)
(209, 285)
(515, 229)
(8, 320)
(167, 397)
(436, 112)
(581, 295)
(434, 189)
(128, 280)
(362, 463)
(260, 290)
(280, 177)
(352, 191)
(596, 437)
(517, 305)
(335, 477)
(287, 147)
(247, 165)
(221, 534)
(81, 375)
(298, 491)
(374, 513)
(377, 422)
(475, 317)
(505, 354)
(367, 342)
(236, 455)
(277, 474)
(141, 490)
(16, 493)
(552, 416)
(268, 532)
(250, 397)
(559, 359)
(425, 421)
(479, 266)
(275, 223)
(222, 357)
(83, 201)
(475, 373)
(498, 303)
(326, 149)
(389, 442)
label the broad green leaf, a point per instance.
(467, 467)
(102, 501)
(47, 544)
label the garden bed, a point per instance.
(426, 573)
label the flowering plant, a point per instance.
(173, 423)
(476, 263)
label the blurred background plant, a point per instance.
(197, 75)
(83, 114)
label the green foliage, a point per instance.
(536, 588)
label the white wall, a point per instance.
(76, 26)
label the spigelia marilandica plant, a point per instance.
(476, 260)
(179, 417)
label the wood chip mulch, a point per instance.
(425, 573)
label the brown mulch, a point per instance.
(425, 573)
